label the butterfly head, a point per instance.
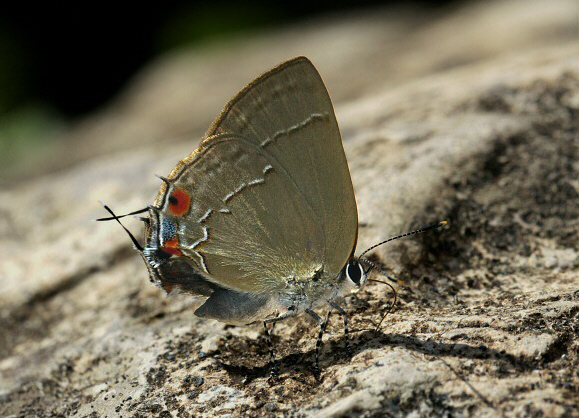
(354, 274)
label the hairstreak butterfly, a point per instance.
(260, 220)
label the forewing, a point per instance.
(287, 113)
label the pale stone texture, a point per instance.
(471, 117)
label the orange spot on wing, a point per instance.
(171, 251)
(172, 243)
(179, 203)
(170, 247)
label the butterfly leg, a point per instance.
(273, 366)
(345, 316)
(273, 321)
(323, 324)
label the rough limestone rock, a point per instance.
(471, 117)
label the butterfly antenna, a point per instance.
(418, 231)
(116, 218)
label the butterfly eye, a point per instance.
(355, 273)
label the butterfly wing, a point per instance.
(287, 113)
(267, 197)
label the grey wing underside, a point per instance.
(277, 199)
(288, 113)
(251, 233)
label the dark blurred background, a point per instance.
(71, 59)
(59, 63)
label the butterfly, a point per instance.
(260, 220)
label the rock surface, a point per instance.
(472, 117)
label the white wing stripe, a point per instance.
(308, 120)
